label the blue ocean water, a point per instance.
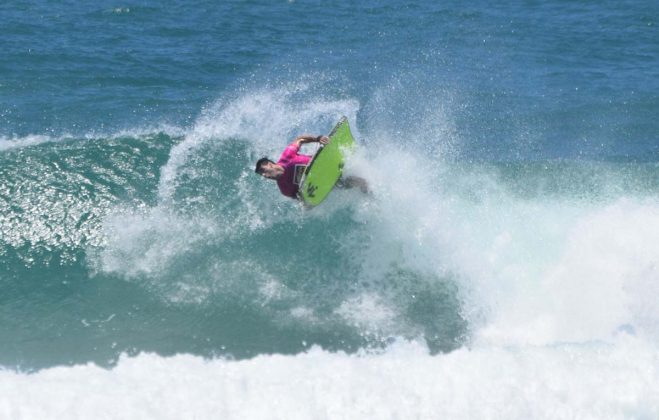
(513, 154)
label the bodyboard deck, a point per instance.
(327, 164)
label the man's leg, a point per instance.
(354, 181)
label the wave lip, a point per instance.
(8, 143)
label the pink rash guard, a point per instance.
(294, 165)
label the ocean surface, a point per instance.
(506, 264)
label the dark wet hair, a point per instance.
(259, 163)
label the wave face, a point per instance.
(504, 265)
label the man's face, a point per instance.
(271, 170)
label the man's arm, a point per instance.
(308, 138)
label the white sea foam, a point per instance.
(531, 271)
(568, 381)
(7, 143)
(598, 283)
(15, 142)
(368, 313)
(144, 241)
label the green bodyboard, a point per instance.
(327, 164)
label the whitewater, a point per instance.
(562, 381)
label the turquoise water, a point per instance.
(513, 154)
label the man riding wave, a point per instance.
(290, 167)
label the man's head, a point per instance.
(268, 169)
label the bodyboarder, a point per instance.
(290, 167)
